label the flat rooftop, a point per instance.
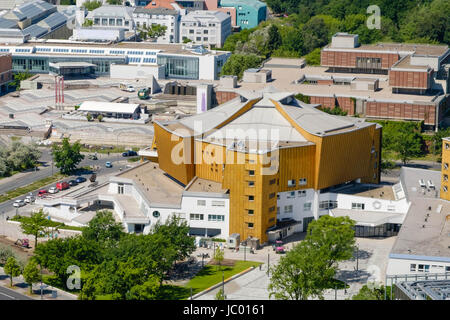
(425, 233)
(403, 48)
(369, 191)
(203, 185)
(368, 218)
(285, 81)
(157, 186)
(169, 48)
(405, 63)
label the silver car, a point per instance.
(19, 203)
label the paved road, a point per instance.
(7, 294)
(46, 172)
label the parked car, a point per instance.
(80, 179)
(53, 190)
(129, 153)
(19, 203)
(42, 193)
(72, 183)
(108, 164)
(62, 186)
(30, 199)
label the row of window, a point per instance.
(300, 193)
(290, 208)
(426, 267)
(214, 203)
(301, 182)
(134, 60)
(211, 217)
(149, 60)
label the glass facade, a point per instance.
(41, 64)
(384, 230)
(177, 67)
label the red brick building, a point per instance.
(5, 72)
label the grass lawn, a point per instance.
(207, 277)
(31, 187)
(51, 223)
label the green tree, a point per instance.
(372, 293)
(147, 291)
(31, 274)
(176, 231)
(19, 77)
(88, 23)
(115, 2)
(218, 256)
(220, 295)
(37, 225)
(315, 34)
(103, 227)
(12, 268)
(407, 144)
(153, 31)
(336, 236)
(436, 147)
(302, 273)
(67, 156)
(88, 117)
(238, 63)
(92, 4)
(99, 118)
(22, 156)
(5, 254)
(313, 58)
(58, 254)
(274, 40)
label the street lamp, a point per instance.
(223, 284)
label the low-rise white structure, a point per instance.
(206, 27)
(423, 244)
(141, 196)
(112, 17)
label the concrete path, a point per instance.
(371, 263)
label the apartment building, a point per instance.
(111, 16)
(170, 18)
(205, 27)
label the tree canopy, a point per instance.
(308, 269)
(37, 225)
(67, 156)
(117, 264)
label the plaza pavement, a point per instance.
(372, 262)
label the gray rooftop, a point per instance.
(161, 11)
(425, 233)
(426, 289)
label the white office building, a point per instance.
(205, 27)
(112, 17)
(144, 17)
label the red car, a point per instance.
(42, 193)
(62, 186)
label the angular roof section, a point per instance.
(270, 118)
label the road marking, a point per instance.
(7, 295)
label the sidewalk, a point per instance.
(21, 287)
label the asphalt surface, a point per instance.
(7, 294)
(46, 171)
